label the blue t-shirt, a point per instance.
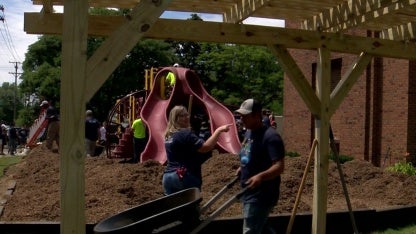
(262, 146)
(91, 129)
(182, 151)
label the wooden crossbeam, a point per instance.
(349, 79)
(353, 13)
(243, 9)
(114, 49)
(193, 30)
(297, 78)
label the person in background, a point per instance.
(103, 135)
(265, 118)
(12, 136)
(92, 132)
(273, 123)
(139, 139)
(3, 137)
(23, 133)
(170, 81)
(204, 131)
(52, 132)
(261, 164)
(185, 151)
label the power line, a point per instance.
(7, 37)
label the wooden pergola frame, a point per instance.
(323, 27)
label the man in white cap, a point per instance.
(261, 164)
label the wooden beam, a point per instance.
(320, 188)
(114, 49)
(353, 13)
(346, 83)
(47, 6)
(72, 123)
(405, 32)
(193, 30)
(297, 78)
(243, 9)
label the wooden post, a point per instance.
(72, 109)
(320, 188)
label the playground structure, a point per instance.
(37, 129)
(153, 105)
(119, 136)
(119, 119)
(187, 91)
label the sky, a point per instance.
(16, 42)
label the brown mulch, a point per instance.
(112, 187)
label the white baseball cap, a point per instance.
(249, 106)
(44, 103)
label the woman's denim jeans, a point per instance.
(172, 183)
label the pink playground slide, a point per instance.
(188, 89)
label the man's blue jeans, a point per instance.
(255, 218)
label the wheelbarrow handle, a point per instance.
(218, 195)
(217, 212)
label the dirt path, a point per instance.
(7, 186)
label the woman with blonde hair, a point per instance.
(185, 151)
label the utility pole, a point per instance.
(15, 73)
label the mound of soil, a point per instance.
(112, 187)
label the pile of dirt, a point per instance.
(112, 187)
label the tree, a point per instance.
(187, 51)
(233, 72)
(236, 72)
(230, 72)
(7, 102)
(41, 69)
(130, 74)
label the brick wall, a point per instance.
(371, 123)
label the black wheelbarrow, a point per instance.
(176, 213)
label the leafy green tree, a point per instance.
(130, 74)
(236, 72)
(231, 73)
(41, 76)
(187, 51)
(42, 69)
(25, 116)
(7, 102)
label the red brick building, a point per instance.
(375, 122)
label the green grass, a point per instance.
(7, 161)
(411, 229)
(403, 167)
